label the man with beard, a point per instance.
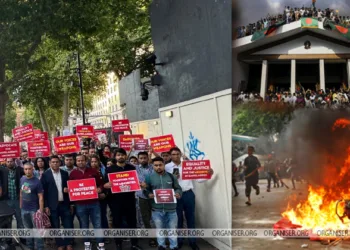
(252, 165)
(164, 214)
(166, 157)
(122, 204)
(88, 209)
(145, 204)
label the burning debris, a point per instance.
(322, 149)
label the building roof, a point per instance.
(293, 29)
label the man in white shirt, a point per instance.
(187, 202)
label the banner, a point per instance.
(100, 135)
(164, 196)
(80, 190)
(141, 144)
(122, 182)
(25, 133)
(37, 134)
(125, 141)
(120, 125)
(38, 149)
(163, 143)
(66, 144)
(44, 136)
(85, 131)
(194, 170)
(9, 150)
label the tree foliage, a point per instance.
(37, 38)
(260, 119)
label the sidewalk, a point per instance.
(265, 211)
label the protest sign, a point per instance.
(194, 170)
(38, 149)
(141, 144)
(164, 196)
(85, 131)
(84, 189)
(44, 136)
(37, 134)
(162, 144)
(25, 133)
(120, 125)
(66, 144)
(9, 150)
(122, 182)
(125, 141)
(100, 135)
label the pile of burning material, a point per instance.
(325, 214)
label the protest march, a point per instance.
(143, 183)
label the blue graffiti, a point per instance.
(192, 146)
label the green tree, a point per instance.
(112, 35)
(260, 119)
(10, 118)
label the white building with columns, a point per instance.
(283, 60)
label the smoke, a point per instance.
(310, 141)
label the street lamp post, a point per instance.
(81, 88)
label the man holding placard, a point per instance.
(122, 200)
(187, 202)
(85, 194)
(164, 188)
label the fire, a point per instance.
(318, 212)
(342, 123)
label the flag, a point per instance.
(308, 22)
(345, 32)
(270, 31)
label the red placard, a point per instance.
(10, 150)
(25, 133)
(85, 131)
(194, 170)
(120, 125)
(164, 196)
(37, 134)
(66, 144)
(38, 149)
(123, 182)
(163, 143)
(141, 144)
(125, 141)
(2, 160)
(80, 190)
(44, 135)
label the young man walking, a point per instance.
(164, 215)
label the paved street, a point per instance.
(203, 245)
(265, 211)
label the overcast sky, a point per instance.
(252, 10)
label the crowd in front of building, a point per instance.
(329, 99)
(292, 14)
(32, 186)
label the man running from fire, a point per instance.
(270, 168)
(252, 165)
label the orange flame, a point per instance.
(342, 123)
(319, 210)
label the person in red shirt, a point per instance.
(88, 208)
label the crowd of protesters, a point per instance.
(292, 14)
(329, 99)
(32, 186)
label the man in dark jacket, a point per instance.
(163, 214)
(122, 204)
(10, 182)
(56, 199)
